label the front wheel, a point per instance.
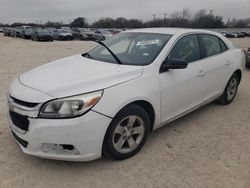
(127, 133)
(230, 91)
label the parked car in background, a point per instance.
(50, 29)
(16, 32)
(7, 31)
(78, 33)
(240, 35)
(66, 28)
(115, 31)
(12, 32)
(26, 33)
(245, 33)
(227, 34)
(108, 100)
(1, 30)
(248, 33)
(92, 35)
(25, 27)
(223, 33)
(40, 34)
(61, 34)
(248, 58)
(237, 35)
(104, 33)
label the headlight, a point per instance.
(71, 106)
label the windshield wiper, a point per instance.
(110, 51)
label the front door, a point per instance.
(183, 89)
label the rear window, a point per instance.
(212, 45)
(223, 46)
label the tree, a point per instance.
(54, 24)
(202, 19)
(241, 23)
(79, 22)
(120, 22)
(180, 18)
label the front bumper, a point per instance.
(45, 137)
(45, 38)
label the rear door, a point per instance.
(217, 62)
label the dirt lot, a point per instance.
(207, 148)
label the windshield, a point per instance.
(28, 30)
(62, 31)
(43, 32)
(131, 48)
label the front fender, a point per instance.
(145, 88)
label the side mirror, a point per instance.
(173, 64)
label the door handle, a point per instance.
(201, 73)
(228, 63)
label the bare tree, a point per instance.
(185, 14)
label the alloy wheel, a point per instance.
(128, 134)
(232, 89)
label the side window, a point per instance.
(223, 46)
(211, 44)
(186, 49)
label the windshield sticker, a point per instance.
(147, 42)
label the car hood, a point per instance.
(76, 75)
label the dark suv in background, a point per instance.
(40, 34)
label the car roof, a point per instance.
(179, 32)
(170, 31)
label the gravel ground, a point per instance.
(207, 148)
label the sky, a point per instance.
(41, 11)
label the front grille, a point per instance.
(23, 103)
(19, 121)
(20, 141)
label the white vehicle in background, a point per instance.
(61, 34)
(105, 34)
(26, 27)
(108, 100)
(1, 30)
(66, 28)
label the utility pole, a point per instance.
(165, 17)
(154, 17)
(211, 12)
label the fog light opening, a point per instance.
(68, 147)
(61, 149)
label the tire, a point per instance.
(121, 140)
(230, 91)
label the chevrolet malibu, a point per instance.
(108, 100)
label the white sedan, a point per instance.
(108, 100)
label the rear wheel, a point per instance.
(230, 91)
(127, 133)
